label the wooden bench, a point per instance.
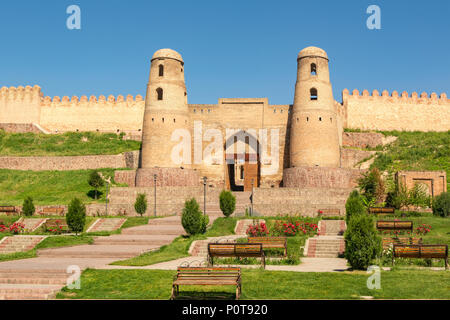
(8, 210)
(381, 211)
(271, 242)
(329, 212)
(55, 224)
(207, 277)
(424, 251)
(400, 240)
(391, 225)
(239, 250)
(52, 211)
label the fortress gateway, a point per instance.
(292, 154)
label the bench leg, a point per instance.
(446, 263)
(172, 296)
(264, 261)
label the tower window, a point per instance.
(159, 91)
(161, 70)
(313, 93)
(320, 118)
(307, 119)
(313, 69)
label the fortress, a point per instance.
(238, 143)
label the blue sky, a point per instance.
(231, 48)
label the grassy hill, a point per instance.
(48, 187)
(415, 151)
(65, 144)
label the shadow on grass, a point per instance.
(195, 295)
(93, 195)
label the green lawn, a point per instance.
(48, 187)
(180, 246)
(66, 144)
(260, 284)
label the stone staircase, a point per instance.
(31, 224)
(110, 224)
(19, 243)
(31, 284)
(329, 243)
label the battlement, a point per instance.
(394, 97)
(21, 94)
(92, 101)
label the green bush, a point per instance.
(372, 186)
(227, 203)
(192, 219)
(28, 208)
(362, 243)
(96, 182)
(141, 204)
(441, 205)
(76, 216)
(354, 206)
(418, 196)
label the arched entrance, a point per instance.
(242, 166)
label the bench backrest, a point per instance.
(381, 210)
(208, 271)
(437, 251)
(235, 249)
(329, 212)
(268, 240)
(7, 209)
(401, 240)
(394, 225)
(52, 210)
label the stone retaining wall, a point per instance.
(124, 160)
(319, 177)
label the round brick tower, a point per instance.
(314, 138)
(166, 112)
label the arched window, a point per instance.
(313, 69)
(159, 91)
(313, 93)
(161, 70)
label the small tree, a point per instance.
(76, 216)
(227, 203)
(441, 205)
(28, 208)
(192, 219)
(96, 181)
(354, 206)
(141, 204)
(372, 186)
(362, 243)
(399, 197)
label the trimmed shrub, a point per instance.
(441, 205)
(76, 216)
(141, 204)
(96, 182)
(227, 203)
(28, 208)
(354, 206)
(192, 219)
(362, 243)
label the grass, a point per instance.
(48, 187)
(65, 144)
(180, 246)
(260, 284)
(416, 151)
